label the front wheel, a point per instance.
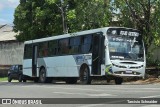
(20, 78)
(24, 80)
(42, 75)
(36, 80)
(118, 80)
(85, 76)
(9, 78)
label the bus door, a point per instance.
(34, 61)
(97, 53)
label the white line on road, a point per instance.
(92, 105)
(98, 90)
(150, 105)
(100, 95)
(112, 89)
(139, 88)
(151, 96)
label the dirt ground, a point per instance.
(146, 81)
(151, 80)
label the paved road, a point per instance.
(61, 90)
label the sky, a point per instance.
(7, 8)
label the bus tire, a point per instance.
(9, 78)
(20, 78)
(71, 80)
(108, 80)
(42, 75)
(85, 75)
(24, 80)
(118, 80)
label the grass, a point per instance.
(3, 79)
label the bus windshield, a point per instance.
(125, 47)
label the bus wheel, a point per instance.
(108, 80)
(24, 80)
(42, 75)
(85, 76)
(118, 80)
(9, 78)
(20, 78)
(71, 80)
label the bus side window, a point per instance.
(71, 46)
(43, 49)
(86, 43)
(63, 45)
(74, 45)
(40, 50)
(52, 47)
(28, 51)
(77, 44)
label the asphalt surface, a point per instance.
(62, 90)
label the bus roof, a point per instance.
(104, 29)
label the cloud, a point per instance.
(8, 4)
(1, 6)
(3, 21)
(7, 8)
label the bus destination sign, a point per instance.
(123, 32)
(129, 33)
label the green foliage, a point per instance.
(143, 15)
(3, 79)
(42, 18)
(92, 14)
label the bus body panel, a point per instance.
(27, 67)
(130, 68)
(69, 65)
(61, 66)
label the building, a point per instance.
(11, 51)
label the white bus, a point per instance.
(110, 52)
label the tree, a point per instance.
(92, 14)
(37, 19)
(41, 18)
(143, 15)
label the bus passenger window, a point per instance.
(52, 47)
(28, 51)
(86, 44)
(63, 46)
(74, 45)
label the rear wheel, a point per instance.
(24, 80)
(85, 76)
(20, 78)
(42, 75)
(9, 78)
(118, 80)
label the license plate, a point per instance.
(129, 71)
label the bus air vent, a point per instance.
(128, 63)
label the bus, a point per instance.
(113, 53)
